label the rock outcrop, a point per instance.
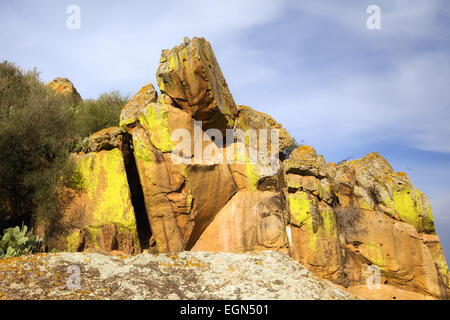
(164, 182)
(360, 214)
(248, 118)
(65, 87)
(106, 139)
(190, 75)
(184, 275)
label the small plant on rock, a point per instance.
(287, 152)
(82, 146)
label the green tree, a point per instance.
(94, 115)
(35, 127)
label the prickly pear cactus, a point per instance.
(18, 241)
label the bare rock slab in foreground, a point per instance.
(184, 275)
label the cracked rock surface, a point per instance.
(184, 275)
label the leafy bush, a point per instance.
(35, 126)
(287, 152)
(82, 146)
(344, 160)
(94, 115)
(18, 241)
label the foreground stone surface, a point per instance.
(184, 275)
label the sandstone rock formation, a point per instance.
(248, 118)
(65, 87)
(348, 217)
(145, 188)
(184, 275)
(101, 214)
(106, 139)
(191, 76)
(250, 221)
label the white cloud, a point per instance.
(410, 102)
(405, 18)
(119, 46)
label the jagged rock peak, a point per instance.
(191, 76)
(65, 86)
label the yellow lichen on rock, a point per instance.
(65, 87)
(155, 120)
(107, 187)
(101, 213)
(190, 75)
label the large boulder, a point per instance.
(190, 75)
(148, 124)
(314, 235)
(181, 199)
(106, 139)
(185, 275)
(394, 247)
(380, 188)
(132, 110)
(305, 161)
(250, 221)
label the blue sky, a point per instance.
(313, 65)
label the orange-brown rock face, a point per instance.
(250, 221)
(162, 181)
(348, 218)
(99, 215)
(356, 223)
(191, 76)
(65, 87)
(106, 139)
(183, 199)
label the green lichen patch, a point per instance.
(423, 205)
(405, 206)
(145, 158)
(155, 119)
(300, 207)
(252, 171)
(142, 151)
(329, 222)
(106, 185)
(372, 251)
(72, 241)
(412, 208)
